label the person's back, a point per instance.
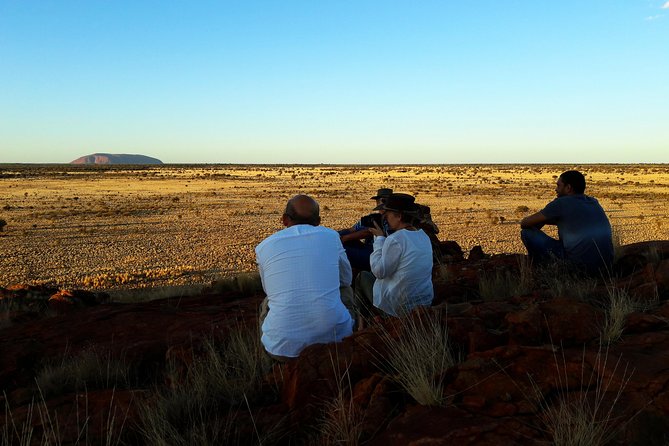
(583, 228)
(300, 267)
(408, 284)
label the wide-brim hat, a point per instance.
(403, 203)
(382, 193)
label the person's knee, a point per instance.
(527, 233)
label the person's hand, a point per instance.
(376, 230)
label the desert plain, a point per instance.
(131, 227)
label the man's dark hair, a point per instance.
(303, 210)
(575, 179)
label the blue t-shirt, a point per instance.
(384, 225)
(583, 228)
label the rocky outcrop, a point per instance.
(520, 354)
(114, 158)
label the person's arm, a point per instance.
(537, 220)
(345, 273)
(260, 271)
(385, 258)
(357, 235)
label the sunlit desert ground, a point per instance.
(111, 228)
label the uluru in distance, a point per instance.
(116, 158)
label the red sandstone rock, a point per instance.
(494, 397)
(662, 274)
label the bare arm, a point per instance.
(537, 220)
(357, 235)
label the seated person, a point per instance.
(302, 268)
(424, 222)
(401, 263)
(358, 239)
(584, 230)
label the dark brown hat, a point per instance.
(403, 203)
(382, 193)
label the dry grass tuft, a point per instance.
(620, 306)
(90, 369)
(205, 407)
(561, 281)
(500, 285)
(23, 432)
(153, 293)
(246, 283)
(419, 355)
(586, 417)
(618, 242)
(342, 419)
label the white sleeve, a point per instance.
(261, 272)
(385, 258)
(345, 273)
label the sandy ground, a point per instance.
(114, 227)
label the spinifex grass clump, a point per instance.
(91, 369)
(502, 284)
(342, 420)
(247, 283)
(419, 354)
(586, 417)
(620, 306)
(22, 430)
(561, 280)
(217, 385)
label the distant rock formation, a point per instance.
(112, 158)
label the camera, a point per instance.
(368, 220)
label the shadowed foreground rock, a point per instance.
(522, 354)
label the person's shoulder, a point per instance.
(269, 240)
(321, 232)
(328, 232)
(421, 235)
(559, 201)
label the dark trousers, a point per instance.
(358, 252)
(541, 247)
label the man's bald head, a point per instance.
(302, 210)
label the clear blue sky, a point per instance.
(336, 81)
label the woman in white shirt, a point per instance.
(401, 263)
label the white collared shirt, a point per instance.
(402, 265)
(302, 268)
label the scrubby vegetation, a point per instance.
(208, 397)
(110, 228)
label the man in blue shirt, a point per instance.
(584, 230)
(358, 240)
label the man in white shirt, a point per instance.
(302, 268)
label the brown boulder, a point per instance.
(560, 321)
